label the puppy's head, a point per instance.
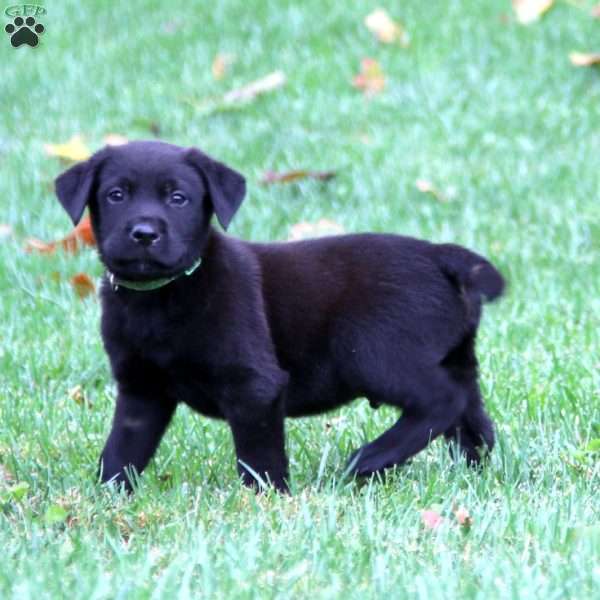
(150, 204)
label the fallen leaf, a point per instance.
(463, 517)
(371, 79)
(82, 235)
(250, 91)
(77, 394)
(323, 227)
(585, 59)
(74, 150)
(35, 245)
(595, 12)
(83, 285)
(114, 139)
(236, 99)
(431, 519)
(221, 64)
(270, 177)
(528, 11)
(5, 475)
(385, 29)
(426, 187)
(5, 230)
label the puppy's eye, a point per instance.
(177, 199)
(115, 195)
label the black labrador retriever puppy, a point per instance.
(253, 333)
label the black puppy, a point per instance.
(252, 333)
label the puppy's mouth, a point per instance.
(142, 269)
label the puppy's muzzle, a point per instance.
(145, 233)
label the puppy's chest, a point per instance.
(191, 356)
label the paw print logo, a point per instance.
(24, 32)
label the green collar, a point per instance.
(147, 286)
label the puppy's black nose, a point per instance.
(144, 234)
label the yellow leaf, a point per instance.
(528, 11)
(371, 79)
(78, 395)
(74, 150)
(426, 187)
(221, 65)
(385, 29)
(585, 59)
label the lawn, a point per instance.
(495, 116)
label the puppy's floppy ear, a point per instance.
(226, 187)
(74, 186)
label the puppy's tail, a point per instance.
(476, 278)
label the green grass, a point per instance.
(493, 113)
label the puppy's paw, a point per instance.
(368, 461)
(263, 481)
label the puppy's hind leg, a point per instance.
(474, 431)
(431, 406)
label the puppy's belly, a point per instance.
(313, 393)
(198, 398)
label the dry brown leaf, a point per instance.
(463, 517)
(431, 519)
(115, 139)
(385, 29)
(83, 285)
(5, 475)
(270, 177)
(77, 394)
(221, 64)
(426, 187)
(371, 79)
(74, 150)
(585, 59)
(237, 98)
(80, 236)
(528, 11)
(323, 227)
(35, 245)
(248, 92)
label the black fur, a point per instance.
(264, 331)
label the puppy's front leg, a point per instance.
(258, 435)
(138, 426)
